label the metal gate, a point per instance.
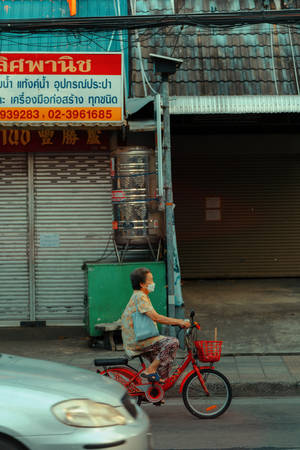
(14, 275)
(237, 211)
(73, 223)
(55, 213)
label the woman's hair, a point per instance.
(138, 276)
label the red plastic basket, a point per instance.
(209, 351)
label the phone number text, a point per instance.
(61, 114)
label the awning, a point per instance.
(238, 104)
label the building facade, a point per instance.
(55, 180)
(235, 108)
(235, 154)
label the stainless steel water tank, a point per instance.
(135, 204)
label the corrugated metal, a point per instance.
(257, 179)
(62, 42)
(238, 61)
(14, 282)
(27, 9)
(189, 6)
(73, 203)
(237, 104)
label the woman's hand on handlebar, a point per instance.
(184, 323)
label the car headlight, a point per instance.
(86, 413)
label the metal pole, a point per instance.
(168, 199)
(31, 249)
(159, 146)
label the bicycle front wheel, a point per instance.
(196, 400)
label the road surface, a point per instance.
(250, 423)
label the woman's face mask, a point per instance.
(151, 287)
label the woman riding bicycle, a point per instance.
(159, 350)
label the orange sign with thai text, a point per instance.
(56, 87)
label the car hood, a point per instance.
(60, 379)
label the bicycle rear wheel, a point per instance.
(201, 405)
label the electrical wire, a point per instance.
(111, 41)
(294, 61)
(177, 39)
(172, 6)
(134, 175)
(117, 8)
(144, 36)
(272, 56)
(156, 21)
(202, 28)
(104, 254)
(145, 79)
(139, 50)
(96, 43)
(27, 39)
(91, 37)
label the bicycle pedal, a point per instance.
(162, 402)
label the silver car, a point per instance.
(46, 406)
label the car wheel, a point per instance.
(10, 444)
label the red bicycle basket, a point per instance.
(209, 351)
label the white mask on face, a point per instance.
(151, 287)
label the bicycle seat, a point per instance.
(110, 362)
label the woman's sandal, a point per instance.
(152, 377)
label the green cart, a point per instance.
(108, 289)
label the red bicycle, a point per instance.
(206, 392)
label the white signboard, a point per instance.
(51, 240)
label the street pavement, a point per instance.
(249, 423)
(250, 375)
(257, 320)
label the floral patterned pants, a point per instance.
(165, 351)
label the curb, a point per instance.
(265, 389)
(256, 389)
(224, 355)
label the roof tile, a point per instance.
(236, 61)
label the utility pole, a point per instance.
(167, 66)
(168, 192)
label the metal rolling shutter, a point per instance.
(14, 282)
(74, 216)
(258, 235)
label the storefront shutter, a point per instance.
(238, 206)
(73, 223)
(14, 282)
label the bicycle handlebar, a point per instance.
(193, 323)
(192, 315)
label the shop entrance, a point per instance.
(55, 213)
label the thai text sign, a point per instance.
(59, 87)
(44, 140)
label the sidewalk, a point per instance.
(250, 375)
(252, 316)
(258, 321)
